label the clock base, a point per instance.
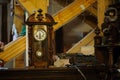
(42, 64)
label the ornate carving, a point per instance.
(110, 27)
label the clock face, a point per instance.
(39, 54)
(40, 35)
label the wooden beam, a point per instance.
(34, 5)
(93, 11)
(70, 12)
(28, 6)
(13, 49)
(102, 6)
(84, 42)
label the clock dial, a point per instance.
(39, 54)
(40, 35)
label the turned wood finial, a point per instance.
(97, 38)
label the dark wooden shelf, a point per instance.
(115, 45)
(50, 73)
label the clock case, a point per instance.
(38, 21)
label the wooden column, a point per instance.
(102, 5)
(59, 40)
(4, 26)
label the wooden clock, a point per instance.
(40, 35)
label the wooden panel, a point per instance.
(13, 49)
